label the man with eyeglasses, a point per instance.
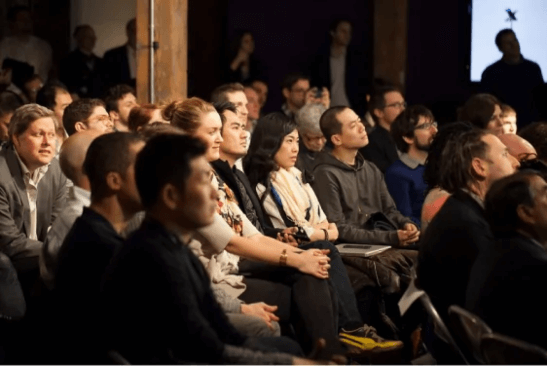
(297, 92)
(87, 114)
(386, 103)
(413, 132)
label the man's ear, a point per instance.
(479, 167)
(336, 139)
(114, 181)
(80, 126)
(114, 116)
(170, 196)
(409, 140)
(525, 214)
(286, 92)
(378, 113)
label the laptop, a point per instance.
(361, 250)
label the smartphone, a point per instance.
(318, 93)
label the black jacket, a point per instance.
(79, 78)
(116, 67)
(381, 149)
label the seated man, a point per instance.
(413, 132)
(167, 313)
(352, 191)
(474, 161)
(119, 101)
(87, 114)
(312, 140)
(71, 160)
(385, 104)
(95, 236)
(55, 96)
(518, 147)
(512, 271)
(32, 186)
(9, 102)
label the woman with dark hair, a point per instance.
(484, 112)
(243, 65)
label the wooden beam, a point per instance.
(171, 57)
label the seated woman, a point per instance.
(484, 112)
(143, 115)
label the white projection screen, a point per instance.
(488, 17)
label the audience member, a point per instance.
(261, 87)
(55, 96)
(518, 147)
(513, 79)
(342, 69)
(436, 195)
(233, 93)
(187, 325)
(352, 191)
(81, 69)
(71, 160)
(119, 100)
(120, 63)
(512, 271)
(9, 102)
(20, 79)
(484, 112)
(536, 134)
(87, 114)
(509, 117)
(243, 64)
(312, 140)
(153, 129)
(23, 46)
(297, 92)
(413, 132)
(94, 238)
(33, 188)
(253, 106)
(140, 116)
(471, 163)
(386, 103)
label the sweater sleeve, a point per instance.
(328, 190)
(399, 188)
(388, 204)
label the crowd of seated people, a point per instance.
(203, 231)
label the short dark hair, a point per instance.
(46, 95)
(220, 93)
(165, 159)
(329, 123)
(292, 78)
(335, 23)
(536, 134)
(435, 156)
(503, 199)
(378, 98)
(108, 153)
(502, 33)
(79, 111)
(14, 10)
(405, 124)
(115, 94)
(80, 28)
(223, 107)
(9, 102)
(479, 109)
(456, 170)
(154, 129)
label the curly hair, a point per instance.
(405, 124)
(267, 139)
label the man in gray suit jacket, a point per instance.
(32, 186)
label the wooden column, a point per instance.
(390, 40)
(171, 58)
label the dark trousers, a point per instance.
(310, 303)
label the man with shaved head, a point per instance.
(71, 159)
(518, 147)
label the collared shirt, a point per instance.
(475, 196)
(35, 52)
(31, 186)
(410, 162)
(132, 59)
(285, 109)
(77, 199)
(338, 94)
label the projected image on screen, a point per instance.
(530, 26)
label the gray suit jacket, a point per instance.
(15, 211)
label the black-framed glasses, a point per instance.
(399, 105)
(426, 126)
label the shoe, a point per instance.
(366, 339)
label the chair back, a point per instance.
(498, 349)
(441, 330)
(469, 329)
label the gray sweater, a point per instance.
(350, 195)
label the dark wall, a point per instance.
(438, 47)
(289, 33)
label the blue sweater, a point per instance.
(407, 187)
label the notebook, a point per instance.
(361, 250)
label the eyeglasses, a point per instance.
(426, 126)
(398, 105)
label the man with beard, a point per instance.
(413, 131)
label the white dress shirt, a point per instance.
(132, 58)
(338, 95)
